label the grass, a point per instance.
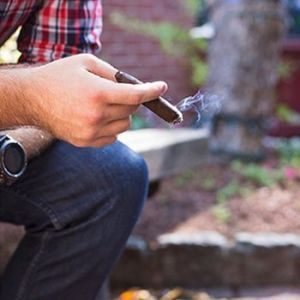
(244, 178)
(209, 183)
(222, 213)
(183, 180)
(228, 191)
(257, 174)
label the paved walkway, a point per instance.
(276, 293)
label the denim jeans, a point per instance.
(78, 207)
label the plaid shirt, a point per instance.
(52, 29)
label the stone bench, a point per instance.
(166, 152)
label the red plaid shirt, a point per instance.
(52, 29)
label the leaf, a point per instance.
(284, 113)
(135, 294)
(221, 213)
(228, 191)
(174, 40)
(173, 294)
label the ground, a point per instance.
(227, 198)
(253, 294)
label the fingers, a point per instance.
(140, 93)
(99, 67)
(120, 93)
(100, 136)
(111, 132)
(116, 127)
(104, 141)
(129, 94)
(119, 112)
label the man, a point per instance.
(78, 205)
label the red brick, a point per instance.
(142, 56)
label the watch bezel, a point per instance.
(4, 142)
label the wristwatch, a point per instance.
(13, 160)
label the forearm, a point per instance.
(14, 114)
(14, 101)
(34, 140)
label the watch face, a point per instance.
(14, 159)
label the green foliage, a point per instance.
(199, 70)
(184, 179)
(257, 174)
(193, 6)
(245, 190)
(233, 189)
(208, 183)
(166, 33)
(221, 213)
(284, 113)
(174, 40)
(228, 191)
(285, 69)
(138, 123)
(251, 175)
(289, 152)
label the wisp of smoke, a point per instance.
(203, 103)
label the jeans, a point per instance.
(78, 207)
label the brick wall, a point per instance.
(142, 56)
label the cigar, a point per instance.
(160, 106)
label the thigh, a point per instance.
(79, 207)
(66, 184)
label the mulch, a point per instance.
(190, 203)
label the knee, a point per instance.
(115, 181)
(91, 182)
(129, 175)
(135, 174)
(130, 186)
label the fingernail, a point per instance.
(163, 86)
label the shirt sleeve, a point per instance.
(60, 28)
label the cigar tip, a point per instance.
(179, 120)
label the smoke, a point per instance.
(204, 104)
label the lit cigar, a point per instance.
(160, 106)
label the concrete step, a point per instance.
(208, 259)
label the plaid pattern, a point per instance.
(52, 29)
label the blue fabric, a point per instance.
(78, 207)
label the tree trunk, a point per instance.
(243, 59)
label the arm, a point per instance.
(76, 99)
(13, 110)
(34, 140)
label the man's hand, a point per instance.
(78, 100)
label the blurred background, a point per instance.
(235, 196)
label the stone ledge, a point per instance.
(208, 259)
(168, 151)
